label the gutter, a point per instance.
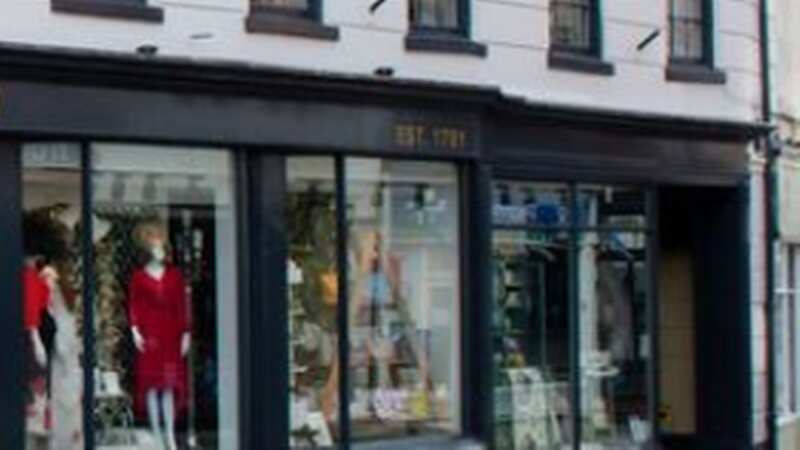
(772, 149)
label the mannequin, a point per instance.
(159, 319)
(67, 393)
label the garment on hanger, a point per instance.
(36, 299)
(159, 309)
(67, 393)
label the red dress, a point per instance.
(37, 297)
(159, 309)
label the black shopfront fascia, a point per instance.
(265, 114)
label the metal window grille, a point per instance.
(687, 31)
(435, 14)
(572, 24)
(290, 7)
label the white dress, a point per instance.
(67, 379)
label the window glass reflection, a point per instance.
(531, 204)
(404, 298)
(52, 289)
(615, 339)
(620, 206)
(531, 336)
(313, 300)
(165, 303)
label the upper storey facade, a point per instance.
(687, 58)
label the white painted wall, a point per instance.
(516, 32)
(786, 56)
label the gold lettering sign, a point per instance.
(417, 136)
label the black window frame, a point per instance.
(594, 49)
(461, 29)
(707, 24)
(456, 40)
(136, 10)
(588, 60)
(312, 12)
(307, 23)
(695, 70)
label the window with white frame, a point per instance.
(787, 319)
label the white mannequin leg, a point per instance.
(153, 413)
(168, 404)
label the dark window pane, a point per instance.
(442, 14)
(289, 5)
(604, 205)
(614, 340)
(531, 204)
(531, 341)
(571, 23)
(313, 298)
(687, 30)
(52, 296)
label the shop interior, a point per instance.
(702, 297)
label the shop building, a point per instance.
(215, 241)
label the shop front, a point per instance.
(621, 299)
(225, 257)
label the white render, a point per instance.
(515, 31)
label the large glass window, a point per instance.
(313, 300)
(404, 305)
(52, 296)
(572, 342)
(165, 297)
(787, 319)
(161, 321)
(532, 317)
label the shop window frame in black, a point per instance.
(574, 228)
(467, 314)
(313, 10)
(590, 8)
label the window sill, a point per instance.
(262, 22)
(109, 9)
(695, 73)
(575, 62)
(444, 43)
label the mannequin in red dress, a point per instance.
(160, 324)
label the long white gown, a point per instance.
(67, 379)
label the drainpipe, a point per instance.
(772, 150)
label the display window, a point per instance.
(572, 349)
(52, 296)
(133, 256)
(404, 302)
(313, 297)
(402, 306)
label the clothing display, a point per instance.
(36, 298)
(159, 310)
(67, 393)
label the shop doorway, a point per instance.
(703, 316)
